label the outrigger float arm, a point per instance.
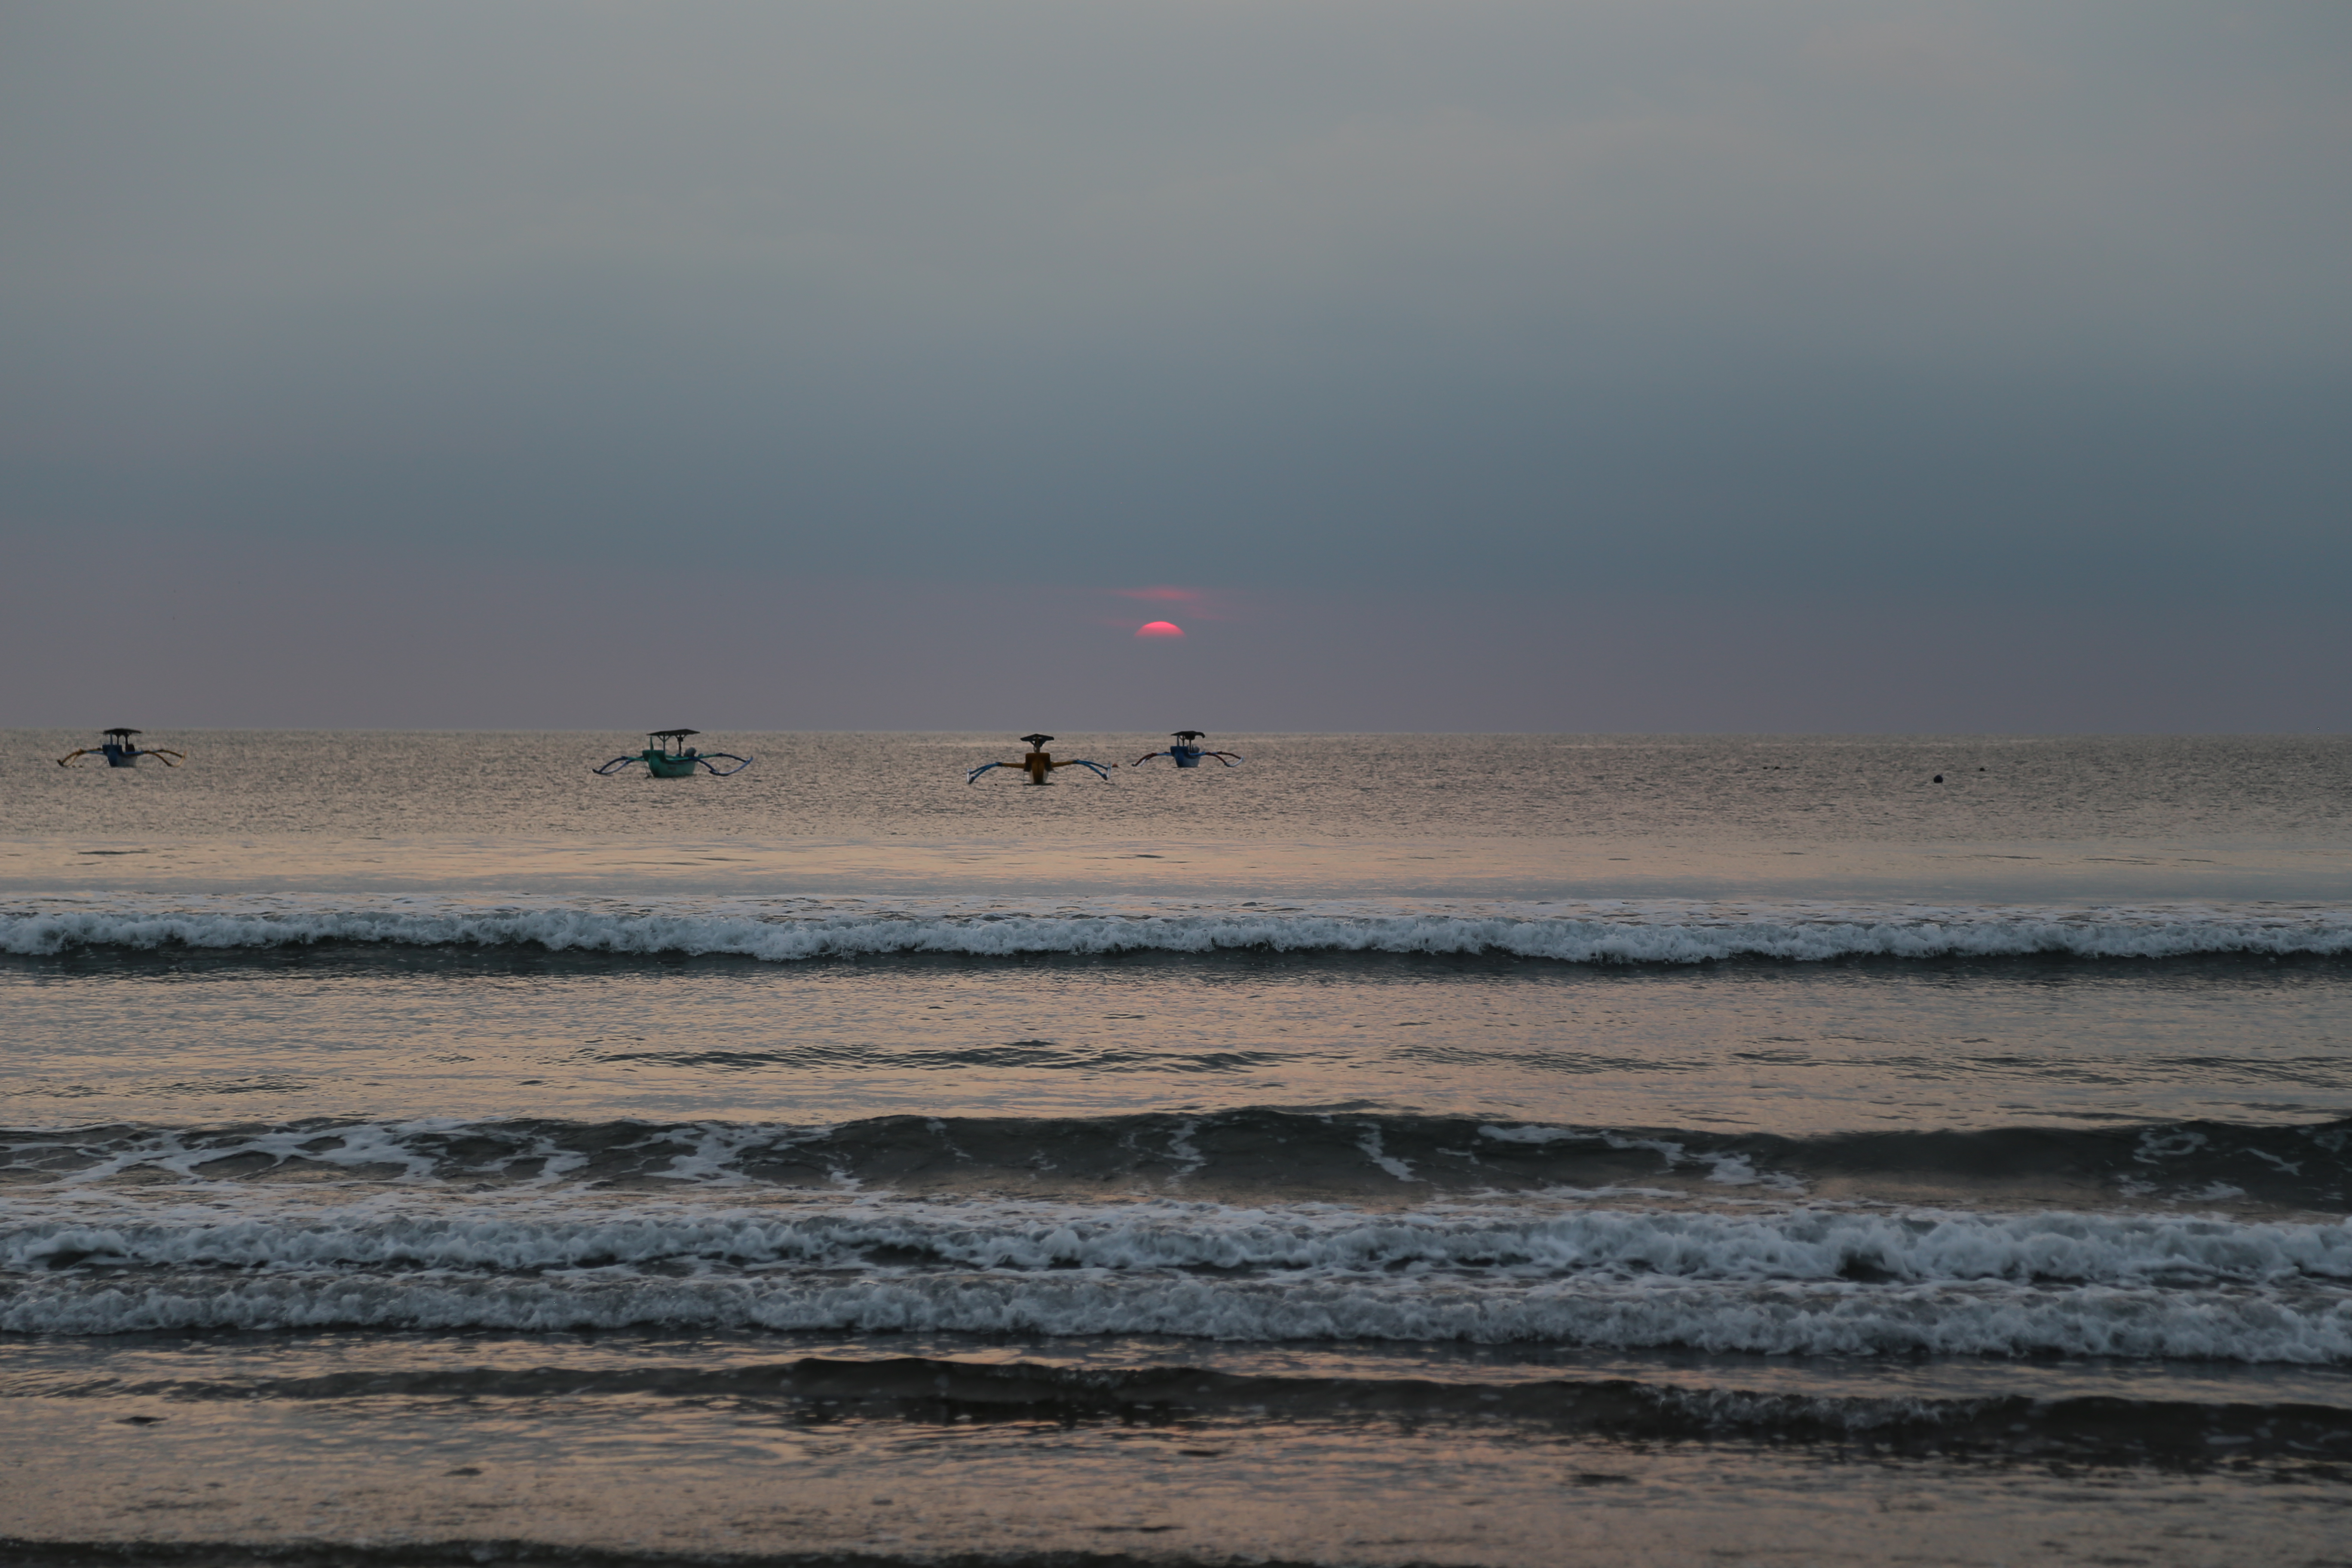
(740, 763)
(1228, 758)
(615, 767)
(973, 776)
(164, 752)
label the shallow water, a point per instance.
(1786, 1047)
(1394, 1149)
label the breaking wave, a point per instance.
(1651, 933)
(1808, 1245)
(541, 1226)
(1248, 1154)
(1802, 1282)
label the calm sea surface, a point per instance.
(1501, 1150)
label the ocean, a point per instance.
(1392, 1148)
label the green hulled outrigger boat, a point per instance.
(668, 756)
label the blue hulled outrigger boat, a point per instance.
(668, 756)
(1188, 752)
(121, 751)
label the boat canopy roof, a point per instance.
(670, 734)
(122, 732)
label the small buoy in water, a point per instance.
(1939, 778)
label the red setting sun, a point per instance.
(1160, 629)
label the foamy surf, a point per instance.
(1651, 933)
(1808, 1245)
(114, 1231)
(2306, 1323)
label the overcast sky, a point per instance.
(1745, 365)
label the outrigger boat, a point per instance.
(121, 751)
(1039, 762)
(1187, 751)
(668, 756)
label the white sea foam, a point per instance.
(1800, 1278)
(1732, 1170)
(1810, 1244)
(1618, 933)
(1990, 1318)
